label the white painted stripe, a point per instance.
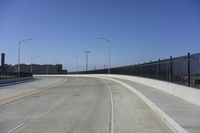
(18, 126)
(112, 124)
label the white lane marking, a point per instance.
(112, 128)
(57, 103)
(18, 126)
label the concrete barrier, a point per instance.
(4, 82)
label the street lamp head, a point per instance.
(101, 38)
(87, 51)
(28, 39)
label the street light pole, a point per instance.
(108, 43)
(87, 52)
(109, 59)
(19, 49)
(32, 62)
(76, 57)
(18, 68)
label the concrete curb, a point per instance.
(168, 120)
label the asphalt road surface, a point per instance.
(78, 105)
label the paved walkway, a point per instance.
(187, 115)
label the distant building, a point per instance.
(34, 68)
(40, 69)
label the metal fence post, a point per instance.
(144, 70)
(159, 73)
(171, 69)
(189, 69)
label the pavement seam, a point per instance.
(16, 127)
(31, 93)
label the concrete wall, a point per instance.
(4, 82)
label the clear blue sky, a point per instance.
(139, 30)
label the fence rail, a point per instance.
(184, 70)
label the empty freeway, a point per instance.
(93, 104)
(75, 105)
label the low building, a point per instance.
(40, 69)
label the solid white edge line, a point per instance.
(168, 120)
(112, 128)
(18, 126)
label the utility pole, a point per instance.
(76, 57)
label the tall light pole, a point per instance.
(87, 52)
(19, 49)
(76, 57)
(108, 43)
(32, 62)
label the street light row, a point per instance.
(86, 52)
(19, 53)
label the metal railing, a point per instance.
(184, 70)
